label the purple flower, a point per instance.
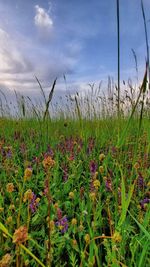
(140, 181)
(144, 201)
(93, 166)
(33, 204)
(91, 143)
(108, 185)
(65, 172)
(62, 224)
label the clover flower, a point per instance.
(140, 181)
(10, 187)
(101, 157)
(27, 174)
(96, 184)
(34, 203)
(71, 195)
(74, 221)
(28, 195)
(108, 183)
(93, 166)
(6, 260)
(20, 235)
(62, 224)
(143, 202)
(48, 162)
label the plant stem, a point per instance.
(118, 51)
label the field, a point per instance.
(75, 178)
(72, 194)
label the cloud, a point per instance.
(42, 19)
(15, 67)
(18, 72)
(11, 59)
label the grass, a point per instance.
(101, 190)
(74, 185)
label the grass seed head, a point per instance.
(87, 238)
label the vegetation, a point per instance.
(74, 182)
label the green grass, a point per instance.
(110, 215)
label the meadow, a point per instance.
(74, 180)
(75, 192)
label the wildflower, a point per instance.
(91, 144)
(20, 235)
(10, 187)
(74, 243)
(81, 227)
(144, 202)
(62, 224)
(27, 174)
(9, 220)
(71, 195)
(92, 196)
(48, 162)
(93, 166)
(37, 200)
(8, 151)
(87, 238)
(74, 221)
(136, 165)
(59, 214)
(6, 260)
(108, 183)
(65, 172)
(96, 184)
(56, 205)
(28, 195)
(101, 169)
(34, 203)
(101, 157)
(117, 237)
(95, 175)
(12, 207)
(140, 181)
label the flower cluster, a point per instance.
(34, 203)
(48, 162)
(10, 187)
(62, 222)
(20, 235)
(6, 260)
(27, 174)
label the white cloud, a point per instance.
(42, 19)
(14, 66)
(11, 59)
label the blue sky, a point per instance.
(72, 37)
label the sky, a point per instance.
(75, 38)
